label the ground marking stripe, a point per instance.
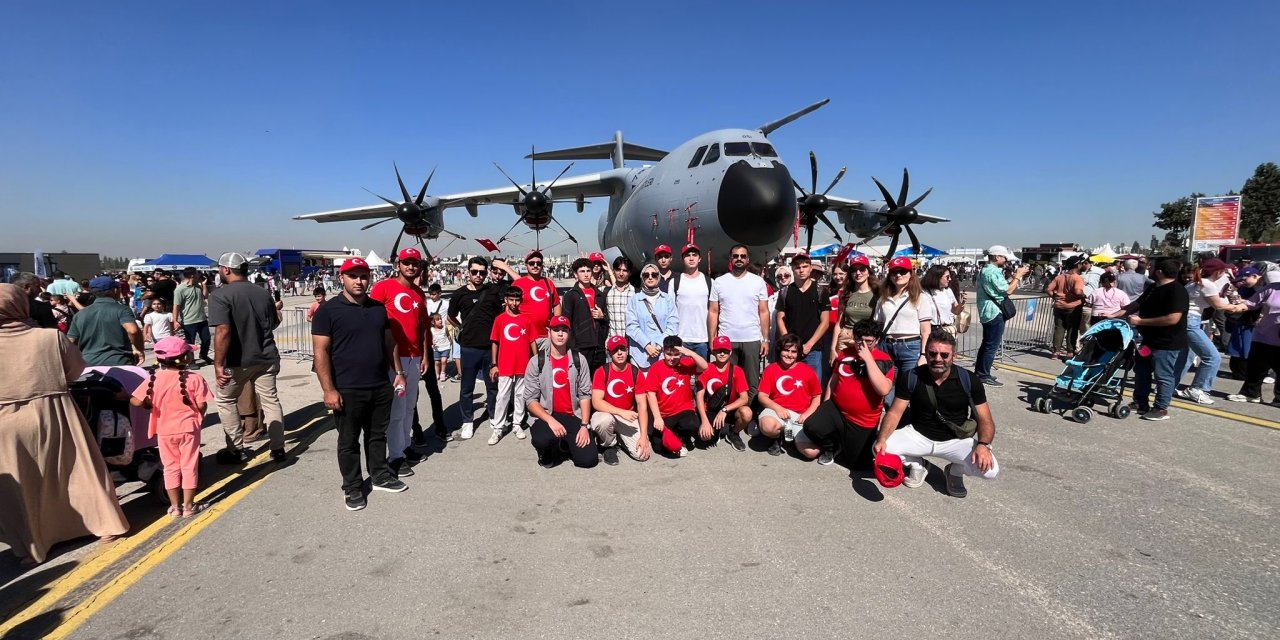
(96, 564)
(1189, 406)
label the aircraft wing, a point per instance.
(605, 183)
(850, 206)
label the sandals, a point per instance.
(175, 511)
(193, 510)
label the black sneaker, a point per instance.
(735, 440)
(399, 468)
(991, 382)
(390, 485)
(355, 500)
(775, 449)
(611, 456)
(545, 461)
(412, 456)
(277, 455)
(443, 433)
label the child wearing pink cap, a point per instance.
(177, 401)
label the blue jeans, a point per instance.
(815, 360)
(992, 334)
(475, 362)
(699, 348)
(201, 330)
(1210, 359)
(906, 356)
(1162, 366)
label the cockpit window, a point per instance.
(697, 156)
(713, 154)
(763, 149)
(737, 148)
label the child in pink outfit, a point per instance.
(177, 399)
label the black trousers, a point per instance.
(1262, 359)
(365, 412)
(596, 357)
(548, 445)
(831, 431)
(433, 392)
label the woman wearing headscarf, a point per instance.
(651, 316)
(54, 484)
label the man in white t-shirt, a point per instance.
(739, 309)
(690, 288)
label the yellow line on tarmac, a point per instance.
(96, 564)
(1189, 406)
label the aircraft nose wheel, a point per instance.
(1082, 415)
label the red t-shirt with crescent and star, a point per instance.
(539, 298)
(853, 394)
(618, 389)
(513, 334)
(561, 395)
(671, 386)
(792, 388)
(712, 379)
(407, 311)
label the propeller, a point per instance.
(535, 204)
(900, 214)
(813, 205)
(414, 212)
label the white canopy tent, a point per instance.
(375, 261)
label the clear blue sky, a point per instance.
(140, 128)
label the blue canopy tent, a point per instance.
(925, 250)
(177, 262)
(826, 250)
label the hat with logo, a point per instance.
(410, 254)
(662, 248)
(615, 343)
(690, 248)
(722, 343)
(1248, 271)
(860, 260)
(352, 264)
(533, 254)
(889, 470)
(596, 257)
(102, 284)
(233, 260)
(901, 262)
(558, 322)
(171, 347)
(999, 250)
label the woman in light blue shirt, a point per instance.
(651, 316)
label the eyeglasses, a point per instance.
(739, 256)
(938, 354)
(477, 272)
(649, 275)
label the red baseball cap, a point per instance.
(410, 254)
(533, 253)
(351, 264)
(889, 470)
(901, 262)
(662, 248)
(596, 257)
(558, 322)
(722, 343)
(691, 247)
(614, 343)
(860, 260)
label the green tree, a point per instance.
(1260, 212)
(1175, 218)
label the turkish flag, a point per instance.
(487, 244)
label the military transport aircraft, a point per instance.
(721, 188)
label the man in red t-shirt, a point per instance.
(845, 423)
(789, 392)
(541, 300)
(557, 391)
(510, 347)
(724, 404)
(615, 412)
(669, 391)
(405, 303)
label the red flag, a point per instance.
(487, 244)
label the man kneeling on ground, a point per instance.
(616, 413)
(724, 397)
(557, 392)
(847, 419)
(950, 419)
(669, 391)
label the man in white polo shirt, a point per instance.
(739, 309)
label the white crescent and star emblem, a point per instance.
(395, 302)
(667, 382)
(783, 383)
(844, 369)
(713, 384)
(554, 379)
(612, 393)
(506, 332)
(534, 293)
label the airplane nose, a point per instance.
(757, 206)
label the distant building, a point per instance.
(77, 265)
(299, 262)
(1047, 252)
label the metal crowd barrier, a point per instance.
(293, 336)
(1030, 330)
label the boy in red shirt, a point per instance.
(724, 398)
(615, 412)
(845, 423)
(789, 392)
(557, 391)
(669, 391)
(510, 345)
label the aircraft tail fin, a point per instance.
(616, 150)
(776, 124)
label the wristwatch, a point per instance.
(985, 444)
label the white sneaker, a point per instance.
(825, 458)
(1184, 394)
(1199, 396)
(1236, 397)
(684, 451)
(467, 431)
(915, 475)
(1268, 380)
(519, 431)
(495, 437)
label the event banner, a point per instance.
(1216, 222)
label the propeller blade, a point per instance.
(911, 207)
(513, 182)
(885, 192)
(566, 231)
(799, 188)
(422, 194)
(915, 242)
(426, 253)
(403, 190)
(370, 226)
(832, 227)
(836, 181)
(386, 200)
(808, 246)
(448, 232)
(553, 182)
(813, 170)
(906, 180)
(893, 245)
(513, 228)
(533, 167)
(395, 248)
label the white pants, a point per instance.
(609, 428)
(401, 423)
(908, 443)
(507, 386)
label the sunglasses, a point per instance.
(534, 263)
(938, 354)
(739, 256)
(899, 274)
(477, 272)
(649, 275)
(721, 352)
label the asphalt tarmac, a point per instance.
(1114, 529)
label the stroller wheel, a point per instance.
(1082, 414)
(1039, 405)
(1119, 410)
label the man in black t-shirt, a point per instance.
(1160, 315)
(946, 420)
(802, 308)
(472, 309)
(355, 350)
(162, 286)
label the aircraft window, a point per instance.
(697, 156)
(764, 149)
(713, 154)
(737, 148)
